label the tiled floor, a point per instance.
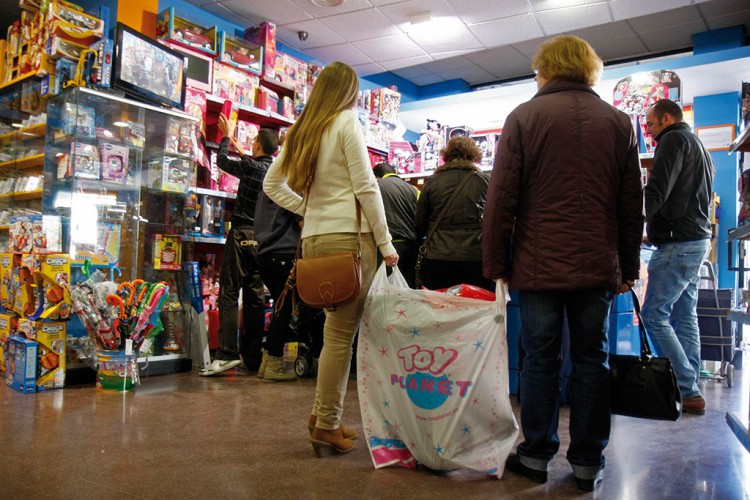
(184, 436)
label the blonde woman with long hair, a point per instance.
(327, 141)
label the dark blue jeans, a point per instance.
(541, 337)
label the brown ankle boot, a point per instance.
(326, 443)
(346, 431)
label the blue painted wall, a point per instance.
(721, 109)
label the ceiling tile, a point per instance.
(319, 35)
(428, 80)
(455, 39)
(342, 52)
(450, 64)
(475, 75)
(542, 5)
(400, 12)
(478, 11)
(606, 31)
(226, 13)
(440, 56)
(360, 25)
(378, 3)
(671, 37)
(368, 69)
(508, 30)
(277, 11)
(571, 18)
(529, 47)
(495, 60)
(643, 9)
(619, 48)
(405, 62)
(411, 72)
(727, 20)
(713, 9)
(389, 47)
(318, 11)
(674, 17)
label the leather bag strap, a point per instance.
(645, 349)
(444, 210)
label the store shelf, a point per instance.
(214, 240)
(277, 86)
(24, 163)
(37, 130)
(378, 149)
(253, 114)
(27, 195)
(214, 192)
(4, 228)
(739, 233)
(18, 80)
(741, 142)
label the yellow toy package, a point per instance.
(52, 279)
(6, 269)
(8, 326)
(51, 338)
(21, 290)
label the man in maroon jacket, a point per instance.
(563, 224)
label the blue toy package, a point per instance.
(20, 364)
(100, 74)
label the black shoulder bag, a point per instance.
(644, 386)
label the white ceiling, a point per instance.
(492, 39)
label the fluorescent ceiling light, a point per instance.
(424, 25)
(328, 3)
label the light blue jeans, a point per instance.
(669, 311)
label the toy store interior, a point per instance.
(114, 215)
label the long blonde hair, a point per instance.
(334, 91)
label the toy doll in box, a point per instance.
(240, 53)
(180, 30)
(212, 216)
(114, 164)
(245, 133)
(265, 36)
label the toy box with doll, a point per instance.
(168, 252)
(196, 105)
(245, 133)
(52, 280)
(8, 327)
(240, 53)
(170, 173)
(264, 35)
(212, 216)
(286, 107)
(51, 358)
(179, 137)
(20, 364)
(237, 85)
(228, 183)
(180, 30)
(290, 70)
(46, 234)
(390, 105)
(268, 100)
(114, 163)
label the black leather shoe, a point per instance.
(588, 484)
(514, 464)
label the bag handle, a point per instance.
(645, 349)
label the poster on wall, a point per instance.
(634, 94)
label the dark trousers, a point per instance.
(541, 337)
(407, 259)
(274, 270)
(438, 274)
(239, 272)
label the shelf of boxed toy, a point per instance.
(252, 114)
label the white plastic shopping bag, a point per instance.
(432, 376)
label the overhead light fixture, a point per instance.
(328, 3)
(424, 24)
(420, 18)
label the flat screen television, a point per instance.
(145, 69)
(200, 68)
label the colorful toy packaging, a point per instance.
(20, 364)
(240, 53)
(101, 70)
(52, 279)
(114, 163)
(21, 289)
(106, 250)
(171, 174)
(134, 135)
(79, 120)
(212, 216)
(232, 83)
(245, 133)
(66, 22)
(179, 137)
(21, 234)
(8, 327)
(83, 162)
(6, 270)
(184, 32)
(168, 252)
(290, 70)
(264, 35)
(51, 340)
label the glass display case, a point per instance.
(118, 174)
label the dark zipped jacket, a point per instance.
(459, 235)
(678, 193)
(251, 172)
(565, 203)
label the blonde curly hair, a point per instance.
(569, 58)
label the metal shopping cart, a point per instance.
(717, 332)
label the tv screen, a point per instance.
(146, 69)
(199, 70)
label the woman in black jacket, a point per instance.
(453, 224)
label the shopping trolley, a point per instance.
(717, 331)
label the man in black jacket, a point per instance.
(678, 200)
(239, 266)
